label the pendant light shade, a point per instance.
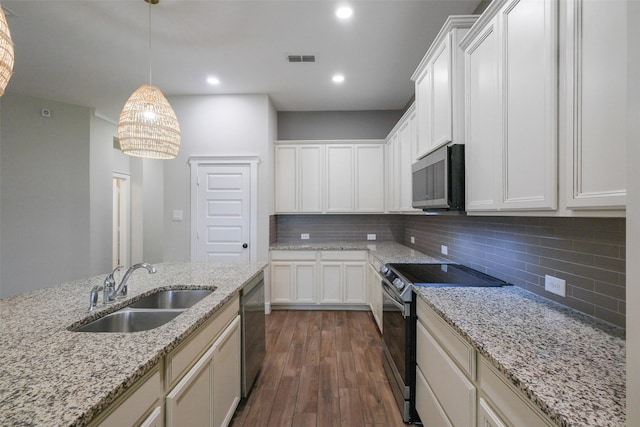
(6, 53)
(148, 126)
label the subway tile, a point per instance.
(615, 264)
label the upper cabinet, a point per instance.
(401, 148)
(329, 177)
(545, 87)
(439, 88)
(594, 106)
(511, 77)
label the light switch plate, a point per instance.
(413, 240)
(371, 237)
(304, 236)
(444, 249)
(177, 215)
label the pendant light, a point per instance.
(6, 52)
(148, 126)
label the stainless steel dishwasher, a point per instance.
(253, 331)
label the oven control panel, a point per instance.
(393, 278)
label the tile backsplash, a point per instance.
(589, 253)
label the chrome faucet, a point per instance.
(93, 298)
(110, 286)
(122, 287)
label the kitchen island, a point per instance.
(50, 376)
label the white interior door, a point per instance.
(121, 220)
(223, 213)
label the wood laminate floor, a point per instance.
(322, 368)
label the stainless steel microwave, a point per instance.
(438, 180)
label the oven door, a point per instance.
(396, 339)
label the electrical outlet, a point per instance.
(371, 237)
(304, 236)
(555, 285)
(444, 250)
(413, 240)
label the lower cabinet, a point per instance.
(209, 393)
(200, 385)
(308, 278)
(455, 386)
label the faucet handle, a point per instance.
(110, 286)
(93, 297)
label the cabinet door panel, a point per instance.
(427, 405)
(286, 191)
(281, 281)
(487, 417)
(331, 282)
(354, 283)
(455, 393)
(310, 172)
(530, 98)
(596, 103)
(442, 124)
(424, 109)
(305, 282)
(340, 183)
(369, 174)
(483, 158)
(226, 374)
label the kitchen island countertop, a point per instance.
(50, 376)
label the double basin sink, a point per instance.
(149, 312)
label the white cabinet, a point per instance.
(310, 278)
(511, 96)
(299, 178)
(511, 404)
(439, 88)
(594, 114)
(487, 416)
(293, 277)
(355, 178)
(374, 293)
(448, 393)
(329, 177)
(140, 405)
(210, 391)
(401, 149)
(343, 277)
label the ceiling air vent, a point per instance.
(301, 58)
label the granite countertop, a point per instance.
(51, 376)
(570, 365)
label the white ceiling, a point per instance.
(95, 53)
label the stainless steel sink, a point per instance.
(149, 312)
(173, 299)
(127, 320)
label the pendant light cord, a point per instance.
(149, 34)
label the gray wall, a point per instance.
(330, 125)
(341, 228)
(45, 192)
(218, 125)
(101, 189)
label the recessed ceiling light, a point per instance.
(213, 80)
(338, 78)
(344, 12)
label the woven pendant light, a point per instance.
(148, 126)
(6, 53)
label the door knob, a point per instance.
(245, 246)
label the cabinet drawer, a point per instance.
(455, 393)
(427, 405)
(133, 407)
(343, 255)
(461, 351)
(182, 358)
(302, 255)
(508, 399)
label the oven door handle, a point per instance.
(401, 306)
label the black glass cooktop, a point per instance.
(445, 275)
